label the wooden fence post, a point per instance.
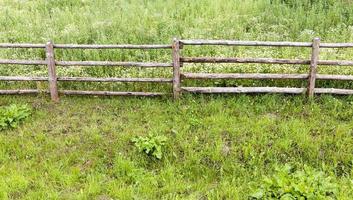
(53, 85)
(313, 66)
(176, 68)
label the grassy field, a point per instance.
(217, 146)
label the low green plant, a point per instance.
(288, 183)
(152, 145)
(12, 115)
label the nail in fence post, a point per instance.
(176, 68)
(313, 66)
(53, 85)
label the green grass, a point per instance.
(218, 147)
(149, 22)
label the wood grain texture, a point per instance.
(336, 45)
(110, 63)
(216, 90)
(29, 91)
(53, 85)
(333, 91)
(263, 43)
(264, 61)
(21, 45)
(262, 76)
(335, 62)
(245, 43)
(243, 60)
(109, 93)
(22, 62)
(183, 42)
(112, 46)
(313, 66)
(243, 76)
(22, 78)
(176, 68)
(334, 77)
(90, 79)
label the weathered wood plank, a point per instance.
(244, 90)
(22, 62)
(263, 43)
(335, 62)
(112, 46)
(176, 68)
(53, 85)
(109, 93)
(90, 79)
(263, 76)
(21, 45)
(19, 91)
(313, 66)
(109, 63)
(263, 60)
(334, 77)
(186, 42)
(332, 91)
(243, 76)
(243, 60)
(245, 43)
(22, 78)
(336, 45)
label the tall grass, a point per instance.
(139, 21)
(147, 22)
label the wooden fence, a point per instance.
(52, 64)
(177, 63)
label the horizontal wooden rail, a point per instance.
(79, 92)
(244, 90)
(334, 77)
(86, 63)
(184, 42)
(244, 43)
(109, 63)
(264, 90)
(29, 91)
(332, 91)
(263, 43)
(336, 45)
(21, 45)
(243, 76)
(193, 90)
(22, 62)
(88, 46)
(263, 61)
(90, 79)
(335, 62)
(110, 93)
(86, 79)
(242, 60)
(22, 78)
(112, 46)
(263, 76)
